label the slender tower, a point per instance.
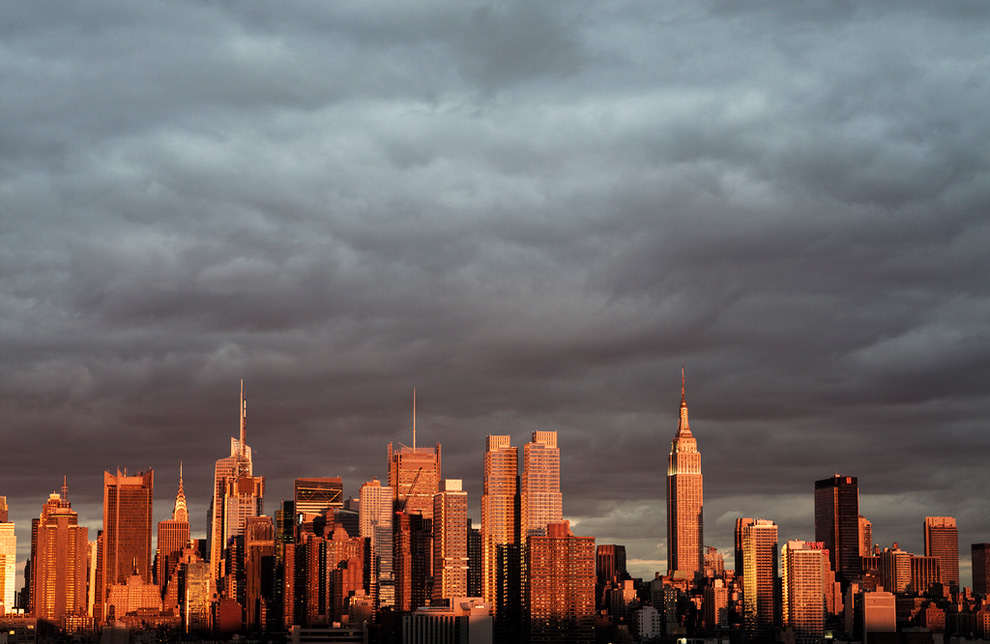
(685, 534)
(173, 537)
(229, 468)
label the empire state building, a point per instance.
(685, 535)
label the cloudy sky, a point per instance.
(531, 212)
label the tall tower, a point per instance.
(685, 499)
(760, 577)
(8, 557)
(237, 465)
(173, 537)
(942, 541)
(804, 565)
(375, 517)
(58, 571)
(499, 511)
(540, 500)
(837, 523)
(981, 568)
(450, 548)
(127, 511)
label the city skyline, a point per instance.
(532, 213)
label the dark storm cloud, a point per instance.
(532, 213)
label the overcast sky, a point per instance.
(531, 212)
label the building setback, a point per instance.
(685, 499)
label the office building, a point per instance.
(895, 569)
(375, 518)
(685, 499)
(467, 621)
(127, 512)
(237, 465)
(259, 568)
(803, 589)
(981, 568)
(541, 502)
(837, 523)
(8, 560)
(173, 537)
(865, 537)
(760, 577)
(610, 563)
(412, 559)
(59, 560)
(414, 476)
(942, 541)
(561, 587)
(741, 524)
(450, 548)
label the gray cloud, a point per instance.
(533, 214)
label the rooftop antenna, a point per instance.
(682, 382)
(414, 418)
(243, 417)
(65, 488)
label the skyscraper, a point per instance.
(237, 465)
(685, 499)
(942, 541)
(865, 537)
(837, 523)
(540, 500)
(499, 510)
(8, 560)
(981, 568)
(414, 476)
(58, 572)
(741, 524)
(561, 586)
(375, 516)
(760, 577)
(127, 511)
(450, 548)
(173, 537)
(803, 589)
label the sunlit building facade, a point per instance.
(760, 577)
(803, 588)
(8, 557)
(499, 511)
(237, 465)
(59, 561)
(685, 499)
(173, 537)
(127, 512)
(375, 518)
(561, 587)
(450, 547)
(540, 497)
(414, 476)
(942, 541)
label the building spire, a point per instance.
(683, 429)
(65, 488)
(180, 512)
(243, 415)
(414, 418)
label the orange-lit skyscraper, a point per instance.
(375, 517)
(8, 556)
(450, 548)
(540, 500)
(58, 563)
(837, 523)
(173, 537)
(803, 570)
(685, 499)
(561, 586)
(127, 512)
(499, 512)
(760, 577)
(414, 476)
(237, 465)
(942, 541)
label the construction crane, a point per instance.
(402, 502)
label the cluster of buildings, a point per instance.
(403, 562)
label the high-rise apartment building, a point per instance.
(414, 476)
(8, 560)
(561, 587)
(237, 465)
(837, 523)
(942, 541)
(499, 513)
(803, 589)
(58, 561)
(173, 537)
(685, 499)
(541, 502)
(760, 577)
(375, 517)
(981, 568)
(450, 548)
(127, 512)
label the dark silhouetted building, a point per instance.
(837, 523)
(981, 567)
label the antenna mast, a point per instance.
(414, 418)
